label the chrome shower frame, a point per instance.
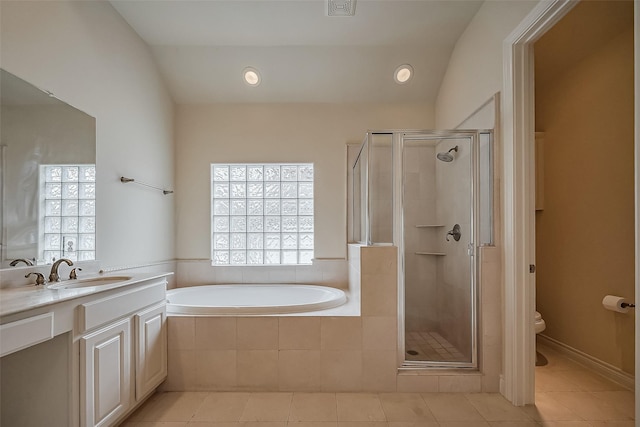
(399, 225)
(357, 216)
(398, 139)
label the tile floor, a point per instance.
(567, 395)
(431, 346)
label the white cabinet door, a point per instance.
(105, 372)
(151, 349)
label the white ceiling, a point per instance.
(201, 48)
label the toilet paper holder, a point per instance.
(617, 303)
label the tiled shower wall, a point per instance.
(453, 189)
(380, 188)
(419, 198)
(311, 353)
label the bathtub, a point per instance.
(252, 300)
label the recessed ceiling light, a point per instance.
(251, 76)
(403, 73)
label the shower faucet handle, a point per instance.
(455, 233)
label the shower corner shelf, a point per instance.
(431, 253)
(429, 225)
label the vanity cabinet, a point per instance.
(24, 333)
(84, 356)
(105, 366)
(123, 352)
(151, 349)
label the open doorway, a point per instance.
(519, 213)
(584, 122)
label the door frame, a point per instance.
(518, 381)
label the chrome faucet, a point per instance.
(19, 260)
(54, 277)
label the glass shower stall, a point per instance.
(430, 194)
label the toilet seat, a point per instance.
(540, 324)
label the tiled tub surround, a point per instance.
(310, 353)
(325, 272)
(316, 353)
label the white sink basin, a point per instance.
(85, 283)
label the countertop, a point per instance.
(16, 299)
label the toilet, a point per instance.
(540, 324)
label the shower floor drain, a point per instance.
(431, 346)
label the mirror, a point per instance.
(47, 176)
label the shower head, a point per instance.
(447, 157)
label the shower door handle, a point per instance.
(470, 249)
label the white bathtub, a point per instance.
(241, 299)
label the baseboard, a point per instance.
(608, 371)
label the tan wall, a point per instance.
(277, 133)
(584, 235)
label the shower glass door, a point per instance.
(438, 237)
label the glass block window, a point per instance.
(262, 214)
(68, 212)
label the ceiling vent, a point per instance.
(341, 7)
